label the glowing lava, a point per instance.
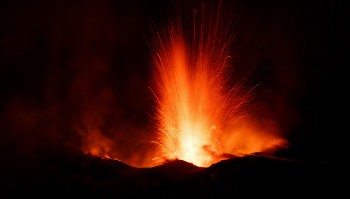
(195, 106)
(201, 111)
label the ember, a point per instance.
(200, 116)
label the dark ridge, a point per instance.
(253, 175)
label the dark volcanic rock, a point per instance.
(247, 176)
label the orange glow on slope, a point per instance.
(195, 107)
(94, 143)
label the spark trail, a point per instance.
(194, 101)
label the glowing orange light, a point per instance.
(196, 108)
(200, 115)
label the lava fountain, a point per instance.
(196, 102)
(203, 110)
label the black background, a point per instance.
(46, 46)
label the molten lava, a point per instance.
(199, 116)
(201, 107)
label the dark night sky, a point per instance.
(63, 59)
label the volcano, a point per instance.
(87, 109)
(253, 175)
